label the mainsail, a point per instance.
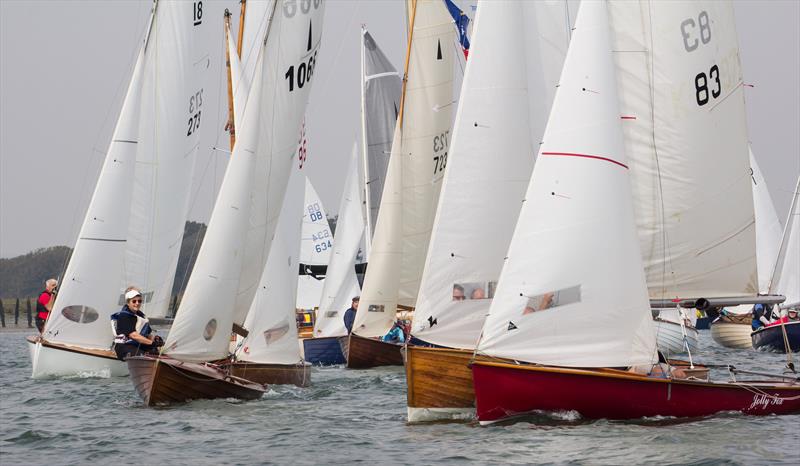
(768, 227)
(416, 166)
(380, 102)
(133, 227)
(573, 291)
(680, 87)
(315, 248)
(341, 283)
(502, 110)
(234, 251)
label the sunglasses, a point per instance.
(136, 301)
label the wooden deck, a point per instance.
(108, 354)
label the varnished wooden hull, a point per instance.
(273, 374)
(439, 384)
(324, 351)
(363, 353)
(162, 380)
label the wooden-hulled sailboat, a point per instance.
(234, 252)
(411, 191)
(505, 98)
(269, 354)
(785, 337)
(570, 308)
(135, 220)
(732, 329)
(341, 283)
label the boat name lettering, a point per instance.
(765, 400)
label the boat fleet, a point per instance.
(545, 227)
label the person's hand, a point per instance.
(158, 341)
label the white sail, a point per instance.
(239, 83)
(786, 279)
(768, 227)
(341, 283)
(315, 247)
(172, 99)
(573, 291)
(489, 166)
(680, 85)
(234, 251)
(416, 167)
(380, 102)
(271, 318)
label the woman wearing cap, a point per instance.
(131, 328)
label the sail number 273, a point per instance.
(195, 102)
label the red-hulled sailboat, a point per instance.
(570, 325)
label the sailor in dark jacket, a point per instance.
(350, 315)
(133, 333)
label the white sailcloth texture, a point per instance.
(575, 243)
(234, 251)
(239, 84)
(786, 280)
(341, 283)
(173, 91)
(488, 170)
(271, 318)
(380, 102)
(680, 84)
(413, 178)
(768, 227)
(315, 247)
(134, 225)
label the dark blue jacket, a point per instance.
(349, 318)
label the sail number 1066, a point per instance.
(301, 74)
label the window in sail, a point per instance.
(80, 314)
(210, 330)
(474, 290)
(375, 308)
(553, 299)
(275, 333)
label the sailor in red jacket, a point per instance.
(45, 303)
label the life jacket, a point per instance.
(41, 311)
(142, 326)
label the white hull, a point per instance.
(670, 337)
(732, 335)
(440, 414)
(53, 362)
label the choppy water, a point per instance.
(349, 416)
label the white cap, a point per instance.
(132, 294)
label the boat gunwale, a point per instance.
(99, 353)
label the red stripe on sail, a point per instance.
(570, 154)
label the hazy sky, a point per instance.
(65, 64)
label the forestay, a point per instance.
(380, 102)
(140, 167)
(681, 98)
(271, 318)
(315, 247)
(489, 166)
(416, 165)
(573, 291)
(233, 254)
(341, 283)
(768, 227)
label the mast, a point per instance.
(412, 15)
(365, 151)
(240, 37)
(230, 126)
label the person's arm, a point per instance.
(136, 336)
(49, 305)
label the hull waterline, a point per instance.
(507, 390)
(161, 380)
(273, 374)
(364, 353)
(772, 338)
(323, 351)
(55, 360)
(439, 384)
